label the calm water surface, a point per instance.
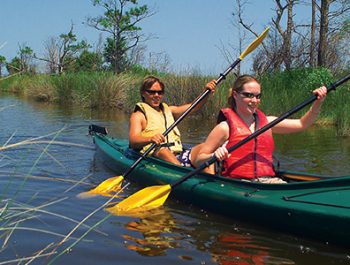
(40, 182)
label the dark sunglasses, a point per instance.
(250, 95)
(153, 92)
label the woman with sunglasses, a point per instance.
(253, 160)
(152, 117)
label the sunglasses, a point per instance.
(250, 95)
(153, 92)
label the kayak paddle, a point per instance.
(114, 184)
(155, 196)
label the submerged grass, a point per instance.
(281, 91)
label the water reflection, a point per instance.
(160, 230)
(233, 248)
(155, 233)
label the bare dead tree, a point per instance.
(51, 53)
(159, 61)
(322, 44)
(226, 49)
(61, 52)
(286, 34)
(320, 41)
(333, 13)
(312, 60)
(264, 55)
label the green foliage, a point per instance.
(26, 51)
(120, 20)
(69, 49)
(317, 77)
(22, 62)
(14, 66)
(139, 70)
(112, 51)
(89, 61)
(2, 63)
(86, 62)
(281, 91)
(2, 59)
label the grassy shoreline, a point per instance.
(281, 91)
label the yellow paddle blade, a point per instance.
(143, 200)
(107, 188)
(254, 44)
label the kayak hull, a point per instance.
(318, 209)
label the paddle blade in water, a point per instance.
(107, 188)
(143, 200)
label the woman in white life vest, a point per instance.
(152, 117)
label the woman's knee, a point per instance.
(166, 155)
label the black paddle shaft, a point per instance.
(200, 98)
(261, 130)
(183, 115)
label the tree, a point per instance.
(324, 20)
(278, 51)
(89, 61)
(14, 66)
(121, 22)
(287, 33)
(322, 41)
(334, 15)
(22, 63)
(62, 52)
(2, 63)
(26, 57)
(312, 58)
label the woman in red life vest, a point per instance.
(253, 160)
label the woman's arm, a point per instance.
(212, 145)
(137, 124)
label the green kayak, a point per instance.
(309, 205)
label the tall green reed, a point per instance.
(281, 91)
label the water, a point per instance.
(39, 185)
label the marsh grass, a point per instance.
(18, 217)
(282, 91)
(105, 90)
(17, 84)
(341, 111)
(185, 89)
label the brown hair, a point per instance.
(148, 83)
(238, 87)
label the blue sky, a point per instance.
(189, 31)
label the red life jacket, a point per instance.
(254, 158)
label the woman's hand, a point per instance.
(211, 86)
(221, 153)
(157, 139)
(321, 93)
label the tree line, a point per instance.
(320, 41)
